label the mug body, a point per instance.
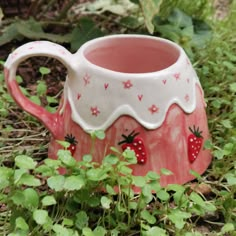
(144, 93)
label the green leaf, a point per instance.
(81, 220)
(40, 216)
(130, 22)
(44, 70)
(87, 232)
(87, 158)
(125, 170)
(9, 33)
(74, 183)
(219, 154)
(5, 174)
(18, 198)
(100, 134)
(48, 201)
(195, 174)
(105, 201)
(96, 174)
(35, 99)
(84, 31)
(166, 172)
(178, 217)
(147, 194)
(110, 190)
(56, 182)
(65, 157)
(150, 8)
(52, 100)
(41, 88)
(44, 170)
(202, 33)
(180, 19)
(24, 91)
(32, 29)
(145, 214)
(163, 195)
(232, 87)
(228, 227)
(227, 124)
(29, 180)
(228, 148)
(138, 181)
(206, 206)
(19, 79)
(197, 199)
(25, 162)
(155, 231)
(31, 198)
(99, 231)
(231, 178)
(52, 163)
(63, 143)
(67, 222)
(208, 144)
(151, 175)
(18, 174)
(110, 159)
(21, 224)
(130, 156)
(61, 230)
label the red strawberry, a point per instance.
(71, 139)
(136, 144)
(194, 143)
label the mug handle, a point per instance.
(52, 121)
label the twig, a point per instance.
(46, 8)
(65, 10)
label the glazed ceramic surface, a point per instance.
(141, 90)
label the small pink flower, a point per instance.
(127, 84)
(95, 111)
(153, 109)
(186, 97)
(177, 76)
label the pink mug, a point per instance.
(141, 90)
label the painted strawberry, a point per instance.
(195, 140)
(136, 144)
(71, 139)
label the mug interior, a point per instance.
(132, 54)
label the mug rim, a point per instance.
(171, 67)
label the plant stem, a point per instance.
(46, 8)
(65, 10)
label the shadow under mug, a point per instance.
(141, 90)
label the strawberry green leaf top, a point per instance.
(71, 139)
(195, 140)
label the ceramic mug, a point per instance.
(141, 90)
